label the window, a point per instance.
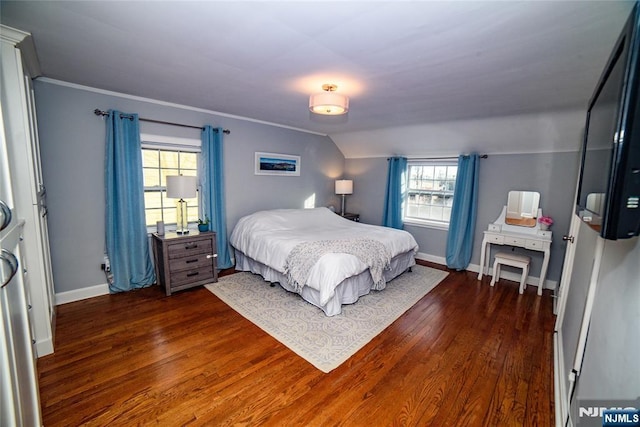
(157, 164)
(429, 195)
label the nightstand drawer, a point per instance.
(352, 217)
(190, 248)
(192, 276)
(190, 262)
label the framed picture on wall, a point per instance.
(277, 164)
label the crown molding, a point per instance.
(171, 104)
(24, 42)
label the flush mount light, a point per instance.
(329, 102)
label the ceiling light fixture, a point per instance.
(329, 102)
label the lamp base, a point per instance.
(182, 224)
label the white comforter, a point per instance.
(269, 237)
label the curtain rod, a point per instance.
(99, 112)
(482, 156)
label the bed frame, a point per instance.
(347, 292)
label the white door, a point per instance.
(578, 282)
(6, 196)
(19, 399)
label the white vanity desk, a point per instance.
(532, 238)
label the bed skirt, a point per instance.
(347, 292)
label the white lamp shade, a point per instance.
(181, 187)
(328, 103)
(344, 186)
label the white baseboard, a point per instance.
(431, 258)
(506, 275)
(561, 399)
(103, 289)
(44, 347)
(80, 294)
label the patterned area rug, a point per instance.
(325, 342)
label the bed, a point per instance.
(327, 259)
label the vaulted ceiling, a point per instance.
(402, 64)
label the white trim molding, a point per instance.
(103, 289)
(80, 294)
(173, 105)
(506, 275)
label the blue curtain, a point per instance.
(392, 216)
(211, 173)
(463, 213)
(126, 232)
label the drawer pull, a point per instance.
(212, 256)
(191, 246)
(12, 261)
(6, 215)
(195, 273)
(191, 261)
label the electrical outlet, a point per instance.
(106, 266)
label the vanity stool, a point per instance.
(513, 260)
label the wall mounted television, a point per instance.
(609, 185)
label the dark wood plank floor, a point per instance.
(466, 354)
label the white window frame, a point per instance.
(422, 222)
(170, 143)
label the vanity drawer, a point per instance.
(535, 245)
(515, 241)
(544, 233)
(494, 238)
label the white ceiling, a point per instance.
(402, 64)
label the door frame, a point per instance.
(561, 395)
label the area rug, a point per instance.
(325, 342)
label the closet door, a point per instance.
(577, 304)
(27, 187)
(6, 196)
(41, 212)
(19, 403)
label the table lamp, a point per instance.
(181, 187)
(344, 187)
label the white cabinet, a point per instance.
(22, 185)
(19, 398)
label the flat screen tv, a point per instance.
(609, 185)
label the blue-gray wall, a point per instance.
(551, 174)
(72, 151)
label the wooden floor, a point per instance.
(466, 354)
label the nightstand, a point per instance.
(351, 216)
(185, 261)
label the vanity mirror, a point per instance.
(522, 208)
